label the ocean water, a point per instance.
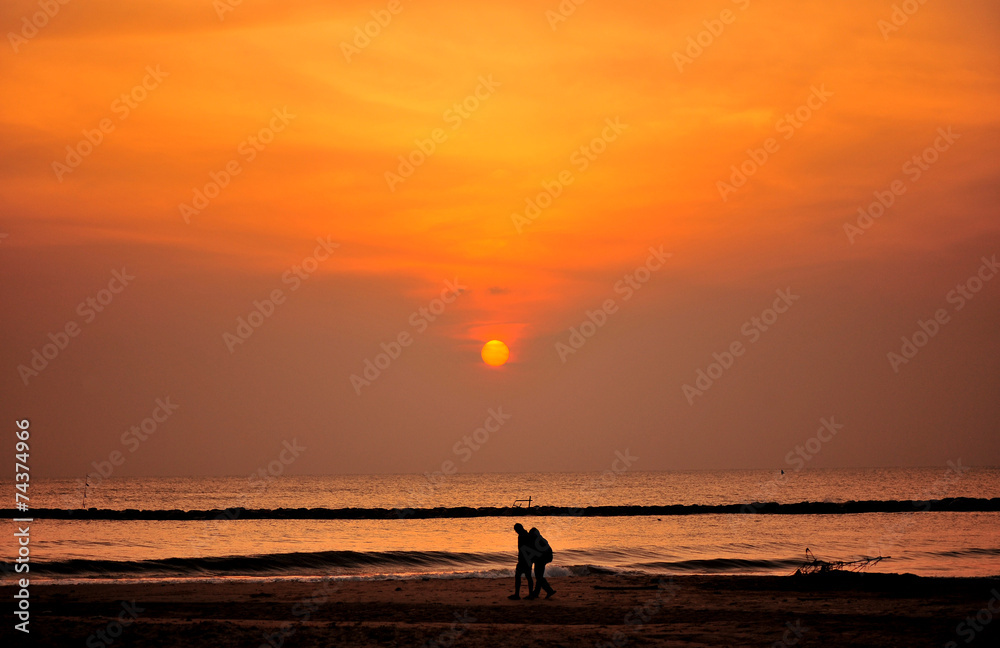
(930, 543)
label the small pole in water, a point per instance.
(86, 484)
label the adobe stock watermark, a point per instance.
(900, 15)
(562, 12)
(290, 451)
(30, 26)
(792, 634)
(121, 107)
(223, 7)
(364, 34)
(796, 459)
(913, 169)
(589, 493)
(697, 44)
(248, 149)
(787, 126)
(263, 309)
(640, 615)
(88, 309)
(420, 320)
(452, 633)
(260, 479)
(463, 449)
(302, 611)
(425, 148)
(622, 462)
(960, 296)
(827, 430)
(131, 439)
(473, 442)
(596, 319)
(112, 632)
(892, 534)
(752, 329)
(973, 624)
(581, 158)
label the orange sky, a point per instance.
(544, 93)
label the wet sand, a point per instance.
(593, 610)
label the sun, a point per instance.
(495, 353)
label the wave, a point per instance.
(721, 565)
(972, 551)
(388, 564)
(960, 504)
(340, 562)
(319, 562)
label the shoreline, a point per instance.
(444, 577)
(840, 609)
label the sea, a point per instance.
(224, 546)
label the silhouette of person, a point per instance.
(542, 555)
(523, 562)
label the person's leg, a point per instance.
(539, 579)
(518, 570)
(541, 582)
(545, 584)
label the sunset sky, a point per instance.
(229, 144)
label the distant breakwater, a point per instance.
(960, 504)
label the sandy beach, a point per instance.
(593, 610)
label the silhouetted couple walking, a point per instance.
(532, 549)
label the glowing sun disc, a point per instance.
(495, 353)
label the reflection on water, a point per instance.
(557, 489)
(928, 543)
(933, 544)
